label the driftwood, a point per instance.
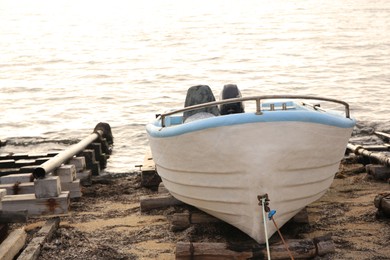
(300, 249)
(32, 251)
(13, 244)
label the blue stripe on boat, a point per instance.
(293, 115)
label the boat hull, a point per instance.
(222, 170)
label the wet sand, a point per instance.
(106, 222)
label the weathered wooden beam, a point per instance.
(13, 216)
(33, 249)
(13, 244)
(35, 206)
(7, 163)
(90, 161)
(99, 155)
(148, 203)
(18, 188)
(14, 178)
(162, 189)
(300, 249)
(149, 175)
(181, 221)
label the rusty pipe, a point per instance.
(63, 156)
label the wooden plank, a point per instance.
(7, 163)
(13, 244)
(15, 189)
(25, 162)
(14, 178)
(148, 203)
(181, 221)
(33, 249)
(35, 206)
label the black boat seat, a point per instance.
(198, 95)
(231, 91)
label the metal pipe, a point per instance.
(63, 156)
(359, 150)
(258, 100)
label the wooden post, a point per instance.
(13, 244)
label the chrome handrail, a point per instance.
(258, 100)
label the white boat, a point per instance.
(220, 164)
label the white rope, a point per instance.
(265, 227)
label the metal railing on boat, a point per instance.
(258, 100)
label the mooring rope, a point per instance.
(263, 202)
(271, 217)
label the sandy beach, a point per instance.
(106, 223)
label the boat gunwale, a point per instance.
(258, 100)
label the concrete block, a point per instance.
(47, 187)
(67, 173)
(13, 178)
(79, 163)
(74, 188)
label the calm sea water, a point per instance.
(66, 65)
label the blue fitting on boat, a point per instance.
(271, 214)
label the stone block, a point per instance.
(67, 173)
(47, 187)
(79, 163)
